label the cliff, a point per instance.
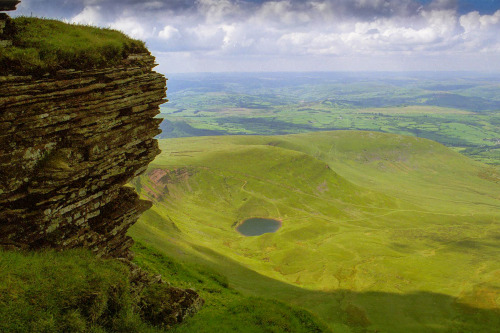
(68, 145)
(70, 141)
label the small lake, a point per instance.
(258, 226)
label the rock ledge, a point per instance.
(68, 145)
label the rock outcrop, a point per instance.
(159, 302)
(70, 141)
(5, 5)
(68, 145)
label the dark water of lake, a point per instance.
(258, 226)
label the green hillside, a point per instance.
(73, 291)
(380, 232)
(68, 291)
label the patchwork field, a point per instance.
(459, 110)
(380, 232)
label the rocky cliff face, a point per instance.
(68, 145)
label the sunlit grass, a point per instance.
(373, 224)
(71, 291)
(41, 46)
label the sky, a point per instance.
(292, 35)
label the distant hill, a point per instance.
(458, 109)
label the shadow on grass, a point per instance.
(351, 311)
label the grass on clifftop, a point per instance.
(41, 46)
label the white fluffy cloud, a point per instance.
(481, 32)
(169, 32)
(298, 31)
(132, 27)
(89, 15)
(473, 21)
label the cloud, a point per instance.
(132, 27)
(89, 15)
(295, 31)
(473, 21)
(481, 32)
(216, 11)
(169, 32)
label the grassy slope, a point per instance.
(419, 257)
(225, 310)
(73, 291)
(41, 46)
(70, 291)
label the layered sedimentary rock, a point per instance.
(68, 145)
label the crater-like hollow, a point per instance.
(257, 226)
